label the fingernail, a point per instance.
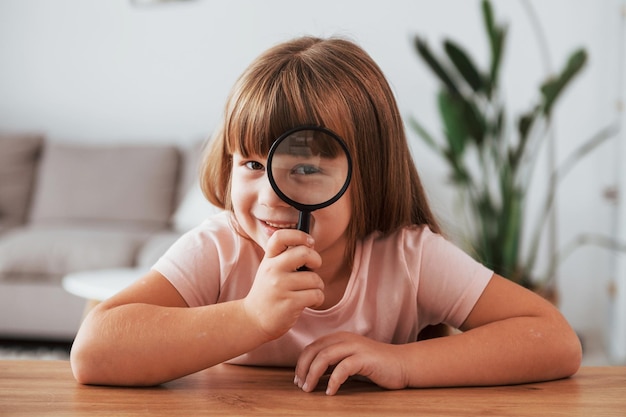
(296, 381)
(305, 387)
(310, 241)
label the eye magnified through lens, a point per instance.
(310, 168)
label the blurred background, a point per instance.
(160, 71)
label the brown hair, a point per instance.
(336, 84)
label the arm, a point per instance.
(147, 334)
(511, 336)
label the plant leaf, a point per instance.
(460, 176)
(496, 35)
(552, 88)
(500, 123)
(474, 121)
(424, 134)
(452, 114)
(435, 66)
(489, 21)
(464, 65)
(485, 240)
(510, 229)
(524, 126)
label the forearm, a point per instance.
(142, 344)
(515, 350)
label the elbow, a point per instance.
(566, 349)
(572, 355)
(90, 359)
(81, 373)
(94, 363)
(559, 351)
(565, 356)
(83, 364)
(89, 367)
(85, 360)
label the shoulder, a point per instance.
(200, 262)
(411, 238)
(215, 239)
(419, 249)
(398, 253)
(220, 228)
(448, 281)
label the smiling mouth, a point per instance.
(280, 225)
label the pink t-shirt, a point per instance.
(400, 283)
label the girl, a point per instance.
(378, 269)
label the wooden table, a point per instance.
(41, 388)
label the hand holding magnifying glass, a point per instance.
(309, 167)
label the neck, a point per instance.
(335, 272)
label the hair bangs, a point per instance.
(273, 104)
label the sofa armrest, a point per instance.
(19, 155)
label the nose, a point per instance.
(268, 197)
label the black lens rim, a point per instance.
(285, 198)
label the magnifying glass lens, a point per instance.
(310, 167)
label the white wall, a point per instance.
(95, 70)
(616, 335)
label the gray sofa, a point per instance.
(68, 207)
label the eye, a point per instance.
(254, 166)
(304, 169)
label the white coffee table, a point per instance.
(98, 285)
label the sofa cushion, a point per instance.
(49, 253)
(124, 184)
(18, 159)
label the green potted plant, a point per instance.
(491, 164)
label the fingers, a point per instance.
(346, 368)
(282, 240)
(298, 244)
(279, 292)
(318, 357)
(349, 354)
(306, 290)
(308, 355)
(298, 281)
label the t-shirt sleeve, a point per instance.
(449, 280)
(194, 263)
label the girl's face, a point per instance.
(260, 212)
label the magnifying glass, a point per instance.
(309, 167)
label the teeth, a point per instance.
(281, 226)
